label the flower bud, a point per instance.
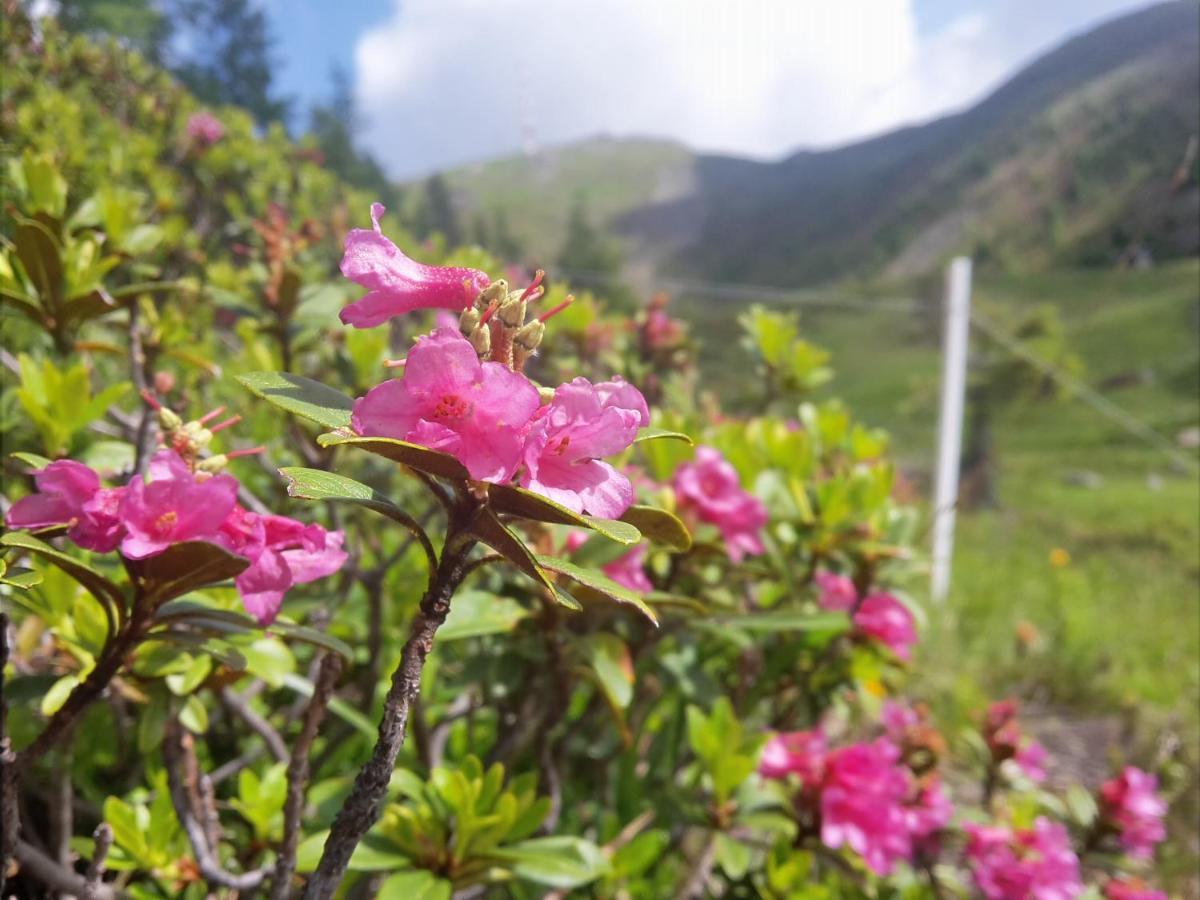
(496, 291)
(212, 464)
(512, 312)
(529, 336)
(469, 320)
(481, 340)
(168, 420)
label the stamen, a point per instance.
(151, 400)
(534, 285)
(209, 416)
(248, 451)
(554, 312)
(395, 363)
(489, 312)
(228, 423)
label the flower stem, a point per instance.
(364, 805)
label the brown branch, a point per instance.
(179, 756)
(297, 774)
(362, 808)
(241, 707)
(41, 868)
(103, 837)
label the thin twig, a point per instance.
(40, 867)
(177, 748)
(297, 774)
(103, 837)
(362, 808)
(256, 723)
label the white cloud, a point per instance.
(450, 81)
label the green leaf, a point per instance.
(491, 531)
(418, 885)
(312, 636)
(301, 396)
(561, 861)
(476, 613)
(32, 460)
(731, 855)
(99, 586)
(599, 583)
(184, 567)
(613, 665)
(659, 526)
(414, 456)
(660, 434)
(314, 484)
(58, 694)
(510, 500)
(41, 258)
(128, 833)
(194, 715)
(788, 620)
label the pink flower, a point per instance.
(928, 812)
(838, 593)
(1031, 760)
(897, 719)
(1131, 889)
(1131, 803)
(796, 752)
(1035, 864)
(69, 493)
(886, 619)
(862, 804)
(629, 570)
(567, 438)
(450, 401)
(173, 506)
(396, 284)
(710, 486)
(204, 128)
(282, 552)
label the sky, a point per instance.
(440, 83)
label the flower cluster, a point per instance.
(1131, 806)
(204, 128)
(709, 488)
(862, 796)
(1023, 864)
(1004, 738)
(1131, 889)
(878, 615)
(463, 392)
(182, 499)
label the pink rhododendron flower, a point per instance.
(1031, 760)
(1034, 864)
(862, 804)
(396, 284)
(928, 812)
(889, 621)
(282, 553)
(710, 486)
(450, 401)
(69, 493)
(1131, 889)
(567, 438)
(897, 719)
(796, 752)
(837, 592)
(1131, 803)
(629, 570)
(204, 128)
(173, 506)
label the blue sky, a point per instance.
(446, 82)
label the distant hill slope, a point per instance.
(1079, 158)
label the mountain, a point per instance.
(1083, 157)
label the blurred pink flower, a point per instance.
(450, 401)
(1131, 803)
(862, 804)
(204, 128)
(1031, 759)
(629, 570)
(396, 284)
(838, 593)
(1030, 864)
(1131, 889)
(173, 506)
(567, 438)
(897, 719)
(69, 493)
(795, 752)
(886, 619)
(928, 812)
(710, 486)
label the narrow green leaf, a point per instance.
(99, 586)
(301, 396)
(659, 526)
(598, 582)
(339, 708)
(788, 620)
(490, 530)
(661, 434)
(312, 636)
(33, 460)
(510, 500)
(417, 885)
(314, 484)
(414, 456)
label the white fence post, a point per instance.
(950, 422)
